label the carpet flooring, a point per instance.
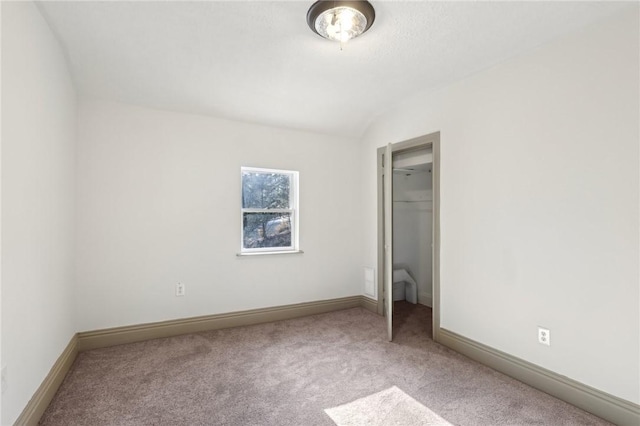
(388, 407)
(290, 372)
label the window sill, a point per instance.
(264, 253)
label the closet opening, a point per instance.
(408, 237)
(412, 248)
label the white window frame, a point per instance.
(293, 210)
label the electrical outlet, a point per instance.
(180, 290)
(4, 378)
(544, 336)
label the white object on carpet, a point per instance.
(403, 278)
(389, 407)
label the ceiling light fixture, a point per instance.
(340, 20)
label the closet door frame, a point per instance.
(432, 141)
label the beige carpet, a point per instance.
(289, 372)
(390, 407)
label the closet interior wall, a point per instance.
(413, 225)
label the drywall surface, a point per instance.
(1, 363)
(539, 202)
(38, 187)
(159, 203)
(412, 228)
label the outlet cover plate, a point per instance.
(180, 290)
(544, 336)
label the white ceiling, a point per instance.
(259, 62)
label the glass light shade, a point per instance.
(341, 23)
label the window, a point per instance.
(269, 210)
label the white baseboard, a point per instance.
(425, 299)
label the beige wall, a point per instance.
(38, 190)
(159, 202)
(539, 202)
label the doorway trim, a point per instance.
(432, 141)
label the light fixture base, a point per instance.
(340, 20)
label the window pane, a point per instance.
(266, 230)
(265, 190)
